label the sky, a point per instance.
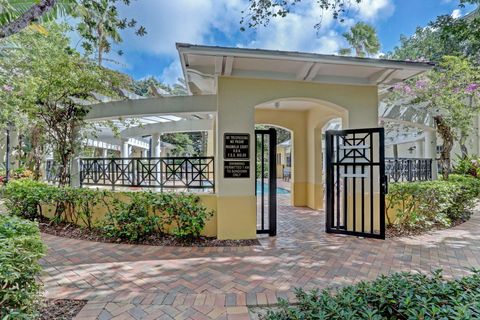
(217, 22)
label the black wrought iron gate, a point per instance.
(266, 181)
(355, 182)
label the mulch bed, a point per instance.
(69, 230)
(396, 232)
(61, 309)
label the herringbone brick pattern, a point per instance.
(143, 282)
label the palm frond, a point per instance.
(12, 9)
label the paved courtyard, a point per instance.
(144, 282)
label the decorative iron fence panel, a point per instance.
(408, 169)
(164, 173)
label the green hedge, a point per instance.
(397, 296)
(135, 216)
(20, 249)
(419, 205)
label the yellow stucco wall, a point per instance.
(99, 212)
(282, 156)
(236, 102)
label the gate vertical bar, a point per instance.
(329, 180)
(384, 179)
(272, 183)
(262, 177)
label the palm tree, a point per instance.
(101, 24)
(362, 38)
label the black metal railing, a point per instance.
(165, 173)
(408, 169)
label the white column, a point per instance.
(105, 153)
(419, 149)
(125, 150)
(430, 149)
(3, 147)
(155, 152)
(14, 162)
(75, 167)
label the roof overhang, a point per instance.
(202, 65)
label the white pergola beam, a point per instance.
(408, 123)
(152, 106)
(409, 139)
(168, 127)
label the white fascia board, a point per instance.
(301, 56)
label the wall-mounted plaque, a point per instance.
(236, 169)
(236, 146)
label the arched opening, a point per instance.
(305, 118)
(284, 162)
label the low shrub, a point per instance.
(131, 216)
(419, 205)
(397, 296)
(24, 197)
(130, 220)
(145, 213)
(469, 166)
(183, 212)
(20, 249)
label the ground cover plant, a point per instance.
(423, 205)
(20, 249)
(396, 296)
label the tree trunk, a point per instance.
(447, 136)
(463, 146)
(29, 16)
(35, 156)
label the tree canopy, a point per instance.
(260, 12)
(99, 26)
(444, 36)
(45, 84)
(451, 93)
(363, 40)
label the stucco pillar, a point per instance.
(210, 143)
(431, 150)
(318, 163)
(236, 200)
(419, 152)
(105, 153)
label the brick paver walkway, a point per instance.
(143, 282)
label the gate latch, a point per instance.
(385, 184)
